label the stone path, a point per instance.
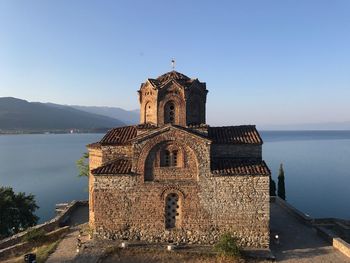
(67, 248)
(299, 242)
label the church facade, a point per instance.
(173, 178)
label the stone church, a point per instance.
(173, 178)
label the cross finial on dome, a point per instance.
(173, 63)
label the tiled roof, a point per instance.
(172, 75)
(180, 78)
(245, 134)
(119, 136)
(154, 82)
(119, 166)
(232, 166)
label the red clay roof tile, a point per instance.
(230, 166)
(119, 166)
(119, 136)
(180, 78)
(244, 134)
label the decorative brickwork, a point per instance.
(186, 96)
(175, 179)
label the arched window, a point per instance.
(169, 112)
(148, 112)
(172, 211)
(169, 158)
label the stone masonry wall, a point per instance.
(111, 153)
(95, 160)
(236, 151)
(127, 206)
(148, 104)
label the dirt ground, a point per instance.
(156, 256)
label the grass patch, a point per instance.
(227, 246)
(44, 251)
(35, 235)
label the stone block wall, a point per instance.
(236, 151)
(111, 153)
(127, 207)
(239, 205)
(95, 158)
(148, 104)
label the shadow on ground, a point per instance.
(297, 241)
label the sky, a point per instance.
(265, 62)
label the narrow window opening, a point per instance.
(169, 113)
(167, 158)
(172, 211)
(174, 158)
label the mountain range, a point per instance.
(21, 116)
(128, 117)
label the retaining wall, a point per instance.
(60, 220)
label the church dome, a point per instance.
(172, 75)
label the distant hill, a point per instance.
(22, 116)
(128, 117)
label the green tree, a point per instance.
(281, 186)
(83, 165)
(16, 211)
(272, 187)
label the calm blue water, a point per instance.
(45, 166)
(317, 168)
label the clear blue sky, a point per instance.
(264, 61)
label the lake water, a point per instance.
(316, 168)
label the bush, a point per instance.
(227, 246)
(35, 235)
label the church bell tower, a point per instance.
(173, 98)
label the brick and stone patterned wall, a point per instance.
(175, 95)
(148, 104)
(127, 206)
(195, 105)
(111, 153)
(95, 160)
(236, 151)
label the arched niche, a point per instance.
(170, 112)
(170, 160)
(172, 109)
(148, 111)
